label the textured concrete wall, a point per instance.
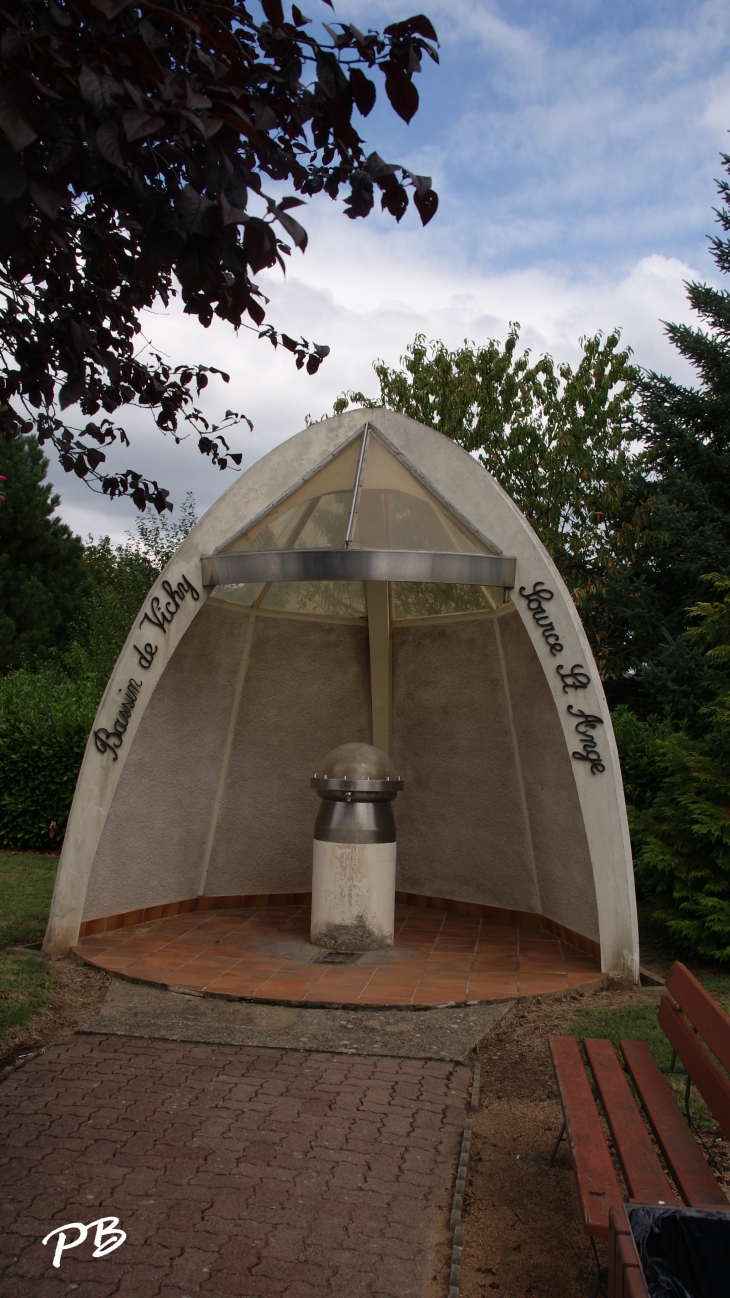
(563, 863)
(153, 841)
(460, 819)
(462, 828)
(306, 690)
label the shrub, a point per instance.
(682, 834)
(683, 838)
(45, 719)
(640, 756)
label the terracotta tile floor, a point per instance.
(265, 954)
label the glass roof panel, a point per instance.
(323, 598)
(317, 524)
(245, 594)
(415, 599)
(395, 511)
(276, 533)
(280, 529)
(326, 526)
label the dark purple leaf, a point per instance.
(363, 91)
(138, 124)
(400, 90)
(71, 392)
(47, 199)
(426, 205)
(94, 457)
(107, 140)
(394, 200)
(110, 8)
(274, 12)
(418, 25)
(19, 132)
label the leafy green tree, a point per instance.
(558, 439)
(158, 537)
(682, 834)
(118, 581)
(42, 579)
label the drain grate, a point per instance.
(336, 957)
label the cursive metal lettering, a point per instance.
(575, 679)
(109, 741)
(161, 617)
(585, 727)
(536, 600)
(146, 654)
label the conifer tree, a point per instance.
(41, 572)
(682, 835)
(676, 524)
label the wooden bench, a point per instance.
(688, 1016)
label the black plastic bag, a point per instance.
(684, 1252)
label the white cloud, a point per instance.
(717, 112)
(368, 297)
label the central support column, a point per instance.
(377, 601)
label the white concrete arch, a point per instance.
(215, 715)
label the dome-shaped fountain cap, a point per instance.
(357, 767)
(357, 762)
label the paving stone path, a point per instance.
(233, 1170)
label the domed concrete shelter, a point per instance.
(367, 581)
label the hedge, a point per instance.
(45, 720)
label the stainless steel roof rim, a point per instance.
(448, 567)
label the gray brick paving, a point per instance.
(236, 1172)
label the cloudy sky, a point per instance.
(574, 145)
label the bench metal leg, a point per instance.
(673, 1066)
(556, 1145)
(601, 1277)
(687, 1090)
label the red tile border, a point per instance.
(244, 901)
(260, 901)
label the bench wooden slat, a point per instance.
(598, 1186)
(634, 1286)
(688, 1166)
(710, 1020)
(626, 1261)
(643, 1172)
(619, 1235)
(712, 1084)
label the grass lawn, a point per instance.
(640, 1022)
(26, 886)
